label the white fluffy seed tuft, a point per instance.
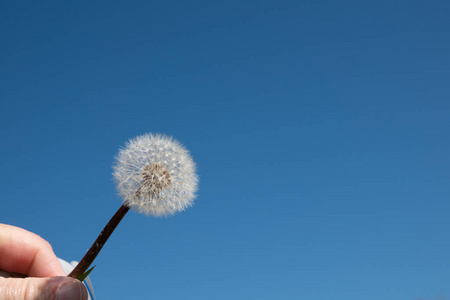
(155, 175)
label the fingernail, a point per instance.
(71, 291)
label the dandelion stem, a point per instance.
(92, 253)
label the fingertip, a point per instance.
(73, 290)
(59, 288)
(27, 253)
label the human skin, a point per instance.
(26, 253)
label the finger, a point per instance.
(26, 253)
(55, 288)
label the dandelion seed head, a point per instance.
(155, 175)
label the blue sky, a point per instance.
(320, 130)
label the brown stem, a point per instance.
(92, 253)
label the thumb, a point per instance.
(54, 288)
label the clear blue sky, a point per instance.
(320, 129)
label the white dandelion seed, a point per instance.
(155, 175)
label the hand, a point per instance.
(26, 253)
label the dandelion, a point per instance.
(155, 175)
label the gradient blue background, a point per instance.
(320, 130)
